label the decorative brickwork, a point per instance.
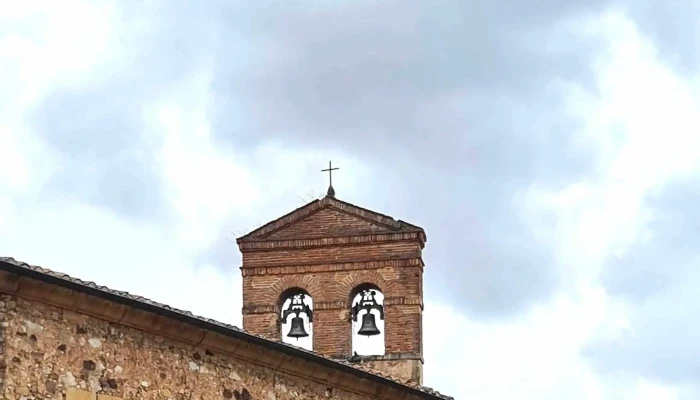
(329, 248)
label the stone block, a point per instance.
(78, 394)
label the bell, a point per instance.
(369, 327)
(297, 330)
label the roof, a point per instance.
(301, 213)
(11, 265)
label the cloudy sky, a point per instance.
(549, 148)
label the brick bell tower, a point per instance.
(332, 251)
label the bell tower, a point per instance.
(334, 278)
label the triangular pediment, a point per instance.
(328, 217)
(328, 222)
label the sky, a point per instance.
(549, 149)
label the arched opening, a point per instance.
(367, 322)
(296, 318)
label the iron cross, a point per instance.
(330, 172)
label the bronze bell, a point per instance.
(297, 330)
(369, 327)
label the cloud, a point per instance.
(658, 277)
(664, 252)
(637, 223)
(99, 127)
(469, 92)
(104, 159)
(463, 100)
(673, 29)
(425, 79)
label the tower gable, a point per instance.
(329, 217)
(329, 222)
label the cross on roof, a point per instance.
(330, 169)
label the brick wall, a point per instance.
(53, 352)
(328, 251)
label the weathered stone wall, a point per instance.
(49, 349)
(3, 354)
(395, 366)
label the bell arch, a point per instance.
(351, 281)
(367, 328)
(295, 310)
(292, 282)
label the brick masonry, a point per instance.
(328, 248)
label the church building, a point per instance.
(332, 309)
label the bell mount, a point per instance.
(368, 302)
(297, 307)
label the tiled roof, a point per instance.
(39, 272)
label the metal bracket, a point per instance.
(368, 302)
(297, 307)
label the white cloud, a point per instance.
(645, 120)
(535, 356)
(539, 356)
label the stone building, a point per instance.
(328, 271)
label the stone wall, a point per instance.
(400, 365)
(3, 354)
(49, 350)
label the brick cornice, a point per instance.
(332, 305)
(404, 300)
(331, 267)
(383, 357)
(258, 309)
(251, 309)
(352, 240)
